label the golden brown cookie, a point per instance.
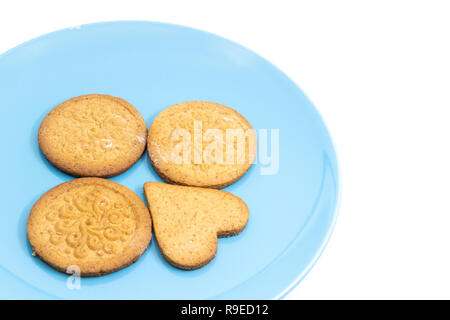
(92, 223)
(202, 144)
(93, 136)
(188, 220)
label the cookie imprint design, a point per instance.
(93, 135)
(91, 221)
(92, 132)
(95, 224)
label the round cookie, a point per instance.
(92, 223)
(93, 135)
(201, 144)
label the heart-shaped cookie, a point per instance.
(188, 220)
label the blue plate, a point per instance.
(155, 65)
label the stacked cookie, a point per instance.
(101, 226)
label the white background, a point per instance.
(379, 73)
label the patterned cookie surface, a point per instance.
(188, 144)
(92, 223)
(188, 220)
(93, 135)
